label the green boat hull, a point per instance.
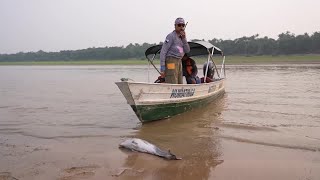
(147, 113)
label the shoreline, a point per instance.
(100, 159)
(230, 60)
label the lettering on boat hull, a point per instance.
(212, 88)
(182, 92)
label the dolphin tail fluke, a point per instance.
(172, 156)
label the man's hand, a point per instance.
(182, 34)
(162, 74)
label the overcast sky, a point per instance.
(54, 25)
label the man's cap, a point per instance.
(179, 21)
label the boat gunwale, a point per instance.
(168, 84)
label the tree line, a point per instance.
(287, 43)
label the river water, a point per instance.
(65, 122)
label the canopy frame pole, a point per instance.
(215, 67)
(148, 71)
(205, 76)
(223, 67)
(151, 61)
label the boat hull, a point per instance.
(153, 102)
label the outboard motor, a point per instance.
(210, 70)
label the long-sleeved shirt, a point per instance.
(173, 46)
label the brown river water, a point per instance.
(66, 122)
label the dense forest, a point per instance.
(286, 43)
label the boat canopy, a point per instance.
(197, 48)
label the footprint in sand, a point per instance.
(127, 171)
(81, 172)
(6, 176)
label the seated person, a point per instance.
(210, 73)
(190, 70)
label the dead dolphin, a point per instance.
(140, 145)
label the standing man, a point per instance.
(173, 49)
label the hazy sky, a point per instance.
(54, 25)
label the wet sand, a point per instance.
(64, 123)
